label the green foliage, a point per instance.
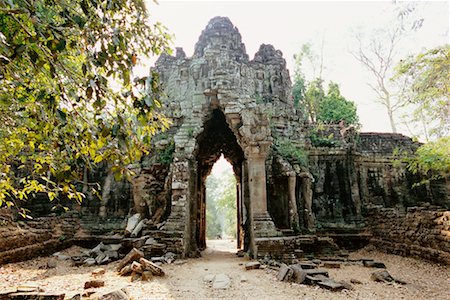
(311, 99)
(427, 80)
(291, 153)
(68, 101)
(165, 155)
(298, 91)
(334, 107)
(432, 160)
(221, 205)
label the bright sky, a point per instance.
(288, 25)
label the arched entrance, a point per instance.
(216, 139)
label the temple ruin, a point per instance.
(300, 187)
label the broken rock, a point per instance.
(331, 285)
(382, 276)
(93, 284)
(221, 281)
(374, 264)
(285, 273)
(98, 272)
(132, 223)
(252, 265)
(114, 295)
(299, 275)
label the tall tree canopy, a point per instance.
(427, 80)
(68, 100)
(335, 108)
(310, 97)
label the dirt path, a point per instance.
(186, 281)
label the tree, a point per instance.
(68, 102)
(377, 54)
(431, 160)
(427, 80)
(335, 108)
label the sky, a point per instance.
(289, 25)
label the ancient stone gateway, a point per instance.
(213, 102)
(302, 189)
(293, 178)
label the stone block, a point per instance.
(252, 265)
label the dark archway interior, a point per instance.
(216, 139)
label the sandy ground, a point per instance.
(186, 281)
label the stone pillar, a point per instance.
(307, 196)
(262, 224)
(293, 211)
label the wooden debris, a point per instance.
(137, 267)
(126, 271)
(146, 276)
(148, 265)
(133, 255)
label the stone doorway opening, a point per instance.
(217, 139)
(221, 217)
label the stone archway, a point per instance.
(217, 138)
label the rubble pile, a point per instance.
(314, 272)
(135, 265)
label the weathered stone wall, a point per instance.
(21, 241)
(419, 231)
(24, 240)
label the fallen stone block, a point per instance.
(133, 255)
(115, 247)
(7, 291)
(112, 254)
(314, 272)
(51, 264)
(306, 265)
(382, 276)
(209, 278)
(132, 223)
(314, 279)
(157, 259)
(93, 284)
(102, 258)
(374, 264)
(138, 228)
(252, 265)
(35, 296)
(96, 250)
(89, 261)
(299, 274)
(169, 257)
(114, 295)
(332, 265)
(355, 281)
(29, 287)
(221, 281)
(331, 285)
(285, 273)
